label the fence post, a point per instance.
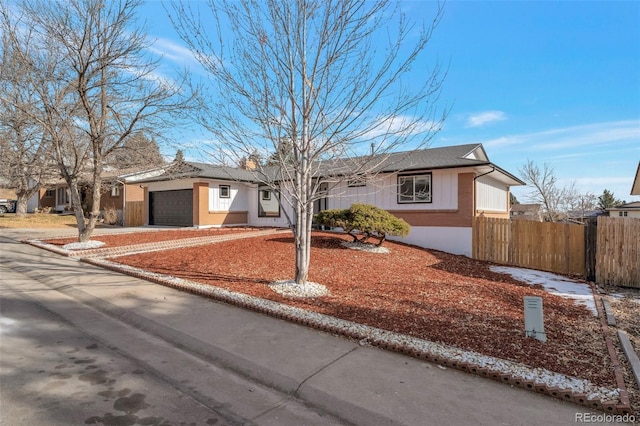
(590, 244)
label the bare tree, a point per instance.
(24, 151)
(307, 83)
(138, 150)
(99, 90)
(545, 188)
(556, 200)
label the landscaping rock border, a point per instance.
(151, 247)
(538, 380)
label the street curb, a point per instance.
(376, 337)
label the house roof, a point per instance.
(577, 214)
(470, 155)
(526, 208)
(189, 169)
(635, 205)
(635, 188)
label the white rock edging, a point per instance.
(369, 248)
(378, 336)
(290, 288)
(93, 244)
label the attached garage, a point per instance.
(171, 208)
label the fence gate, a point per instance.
(618, 251)
(134, 213)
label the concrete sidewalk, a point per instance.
(360, 385)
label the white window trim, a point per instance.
(427, 176)
(228, 190)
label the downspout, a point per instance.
(475, 193)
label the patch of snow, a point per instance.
(83, 246)
(291, 289)
(561, 286)
(369, 248)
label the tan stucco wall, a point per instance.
(224, 218)
(200, 203)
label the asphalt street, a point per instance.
(53, 373)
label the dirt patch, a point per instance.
(427, 294)
(127, 239)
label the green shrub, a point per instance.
(368, 220)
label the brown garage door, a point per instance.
(171, 208)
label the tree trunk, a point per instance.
(23, 194)
(21, 205)
(95, 210)
(76, 203)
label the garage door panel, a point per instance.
(171, 208)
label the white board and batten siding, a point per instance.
(382, 192)
(491, 195)
(255, 219)
(236, 202)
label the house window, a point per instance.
(268, 202)
(621, 214)
(225, 191)
(414, 188)
(356, 182)
(50, 193)
(115, 191)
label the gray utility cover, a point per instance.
(533, 318)
(171, 208)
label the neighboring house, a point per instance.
(629, 209)
(526, 212)
(583, 216)
(626, 210)
(437, 191)
(119, 187)
(635, 188)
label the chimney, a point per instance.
(248, 164)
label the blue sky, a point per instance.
(556, 82)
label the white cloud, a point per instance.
(398, 125)
(578, 137)
(173, 51)
(485, 117)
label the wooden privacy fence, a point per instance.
(618, 251)
(134, 213)
(608, 253)
(553, 247)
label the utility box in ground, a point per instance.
(534, 318)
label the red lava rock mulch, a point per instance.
(126, 239)
(427, 294)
